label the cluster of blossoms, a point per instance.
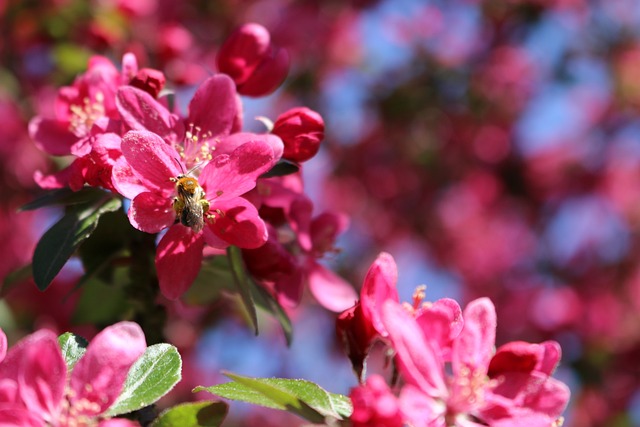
(451, 373)
(203, 184)
(199, 179)
(38, 389)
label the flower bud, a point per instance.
(150, 80)
(301, 131)
(255, 65)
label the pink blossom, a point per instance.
(289, 260)
(148, 174)
(517, 390)
(34, 391)
(215, 112)
(89, 101)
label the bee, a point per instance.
(190, 205)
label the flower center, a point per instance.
(197, 146)
(84, 116)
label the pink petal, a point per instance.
(441, 321)
(229, 176)
(235, 140)
(213, 107)
(152, 159)
(125, 180)
(42, 374)
(418, 360)
(118, 422)
(239, 224)
(56, 180)
(551, 357)
(419, 409)
(290, 288)
(330, 290)
(140, 111)
(474, 346)
(325, 229)
(52, 136)
(99, 375)
(10, 416)
(379, 286)
(151, 213)
(178, 260)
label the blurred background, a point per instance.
(491, 146)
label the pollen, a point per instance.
(85, 115)
(197, 146)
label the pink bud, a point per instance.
(150, 80)
(301, 131)
(255, 65)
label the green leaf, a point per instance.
(72, 347)
(60, 242)
(196, 414)
(281, 168)
(266, 302)
(303, 398)
(243, 284)
(153, 375)
(66, 197)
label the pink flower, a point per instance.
(215, 112)
(516, 393)
(86, 125)
(252, 61)
(34, 389)
(289, 260)
(89, 101)
(301, 130)
(150, 176)
(375, 405)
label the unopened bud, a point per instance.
(150, 80)
(255, 65)
(301, 131)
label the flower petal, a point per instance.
(140, 111)
(152, 159)
(99, 375)
(474, 346)
(379, 285)
(330, 290)
(125, 181)
(19, 417)
(235, 140)
(42, 374)
(239, 224)
(52, 136)
(418, 359)
(151, 213)
(213, 107)
(178, 260)
(229, 176)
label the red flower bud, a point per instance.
(255, 65)
(150, 80)
(356, 333)
(301, 131)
